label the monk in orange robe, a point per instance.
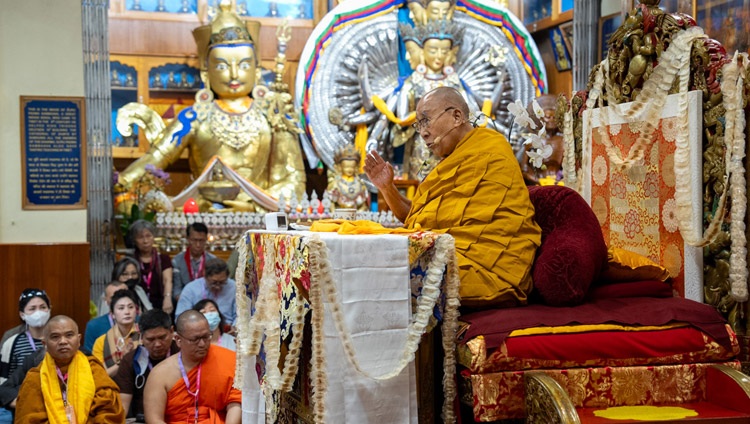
(476, 194)
(68, 387)
(194, 386)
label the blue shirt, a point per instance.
(95, 328)
(196, 290)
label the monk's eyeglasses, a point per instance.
(425, 122)
(197, 340)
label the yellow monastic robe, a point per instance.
(101, 394)
(477, 195)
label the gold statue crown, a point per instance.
(347, 152)
(226, 28)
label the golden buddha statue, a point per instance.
(432, 10)
(346, 189)
(253, 135)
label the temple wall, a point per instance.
(40, 55)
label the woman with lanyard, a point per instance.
(155, 267)
(34, 309)
(123, 336)
(210, 310)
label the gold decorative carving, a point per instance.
(547, 402)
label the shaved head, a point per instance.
(447, 97)
(193, 335)
(59, 319)
(189, 317)
(62, 340)
(442, 120)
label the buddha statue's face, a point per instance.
(231, 70)
(413, 54)
(436, 53)
(348, 167)
(437, 9)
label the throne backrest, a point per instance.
(638, 206)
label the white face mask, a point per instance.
(37, 319)
(213, 320)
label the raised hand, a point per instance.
(378, 170)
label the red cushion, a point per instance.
(572, 253)
(681, 345)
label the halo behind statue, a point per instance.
(496, 49)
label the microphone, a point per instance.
(440, 137)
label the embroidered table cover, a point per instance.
(372, 282)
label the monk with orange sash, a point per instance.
(68, 387)
(194, 386)
(476, 194)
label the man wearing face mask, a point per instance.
(135, 366)
(476, 194)
(34, 310)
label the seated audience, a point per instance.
(217, 286)
(211, 311)
(156, 336)
(155, 267)
(9, 389)
(34, 310)
(67, 384)
(99, 325)
(197, 383)
(127, 270)
(476, 194)
(123, 336)
(191, 264)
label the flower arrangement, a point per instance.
(148, 190)
(540, 150)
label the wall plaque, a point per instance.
(53, 152)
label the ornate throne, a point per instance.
(618, 318)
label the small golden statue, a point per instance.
(346, 189)
(255, 136)
(218, 189)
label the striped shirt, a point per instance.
(21, 349)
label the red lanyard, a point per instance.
(187, 383)
(189, 264)
(147, 277)
(64, 384)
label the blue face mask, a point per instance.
(213, 320)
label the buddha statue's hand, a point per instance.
(141, 115)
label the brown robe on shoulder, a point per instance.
(105, 408)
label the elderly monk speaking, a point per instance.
(194, 386)
(68, 387)
(476, 194)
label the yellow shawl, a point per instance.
(355, 227)
(477, 195)
(81, 389)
